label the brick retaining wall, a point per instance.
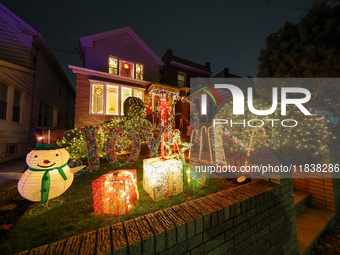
(325, 191)
(255, 218)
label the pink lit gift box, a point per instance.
(115, 192)
(162, 177)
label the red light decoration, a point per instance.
(115, 192)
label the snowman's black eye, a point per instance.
(57, 154)
(36, 156)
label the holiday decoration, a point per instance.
(99, 91)
(310, 136)
(153, 144)
(196, 179)
(110, 148)
(48, 175)
(92, 149)
(115, 192)
(162, 177)
(176, 148)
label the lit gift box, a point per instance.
(162, 177)
(115, 192)
(196, 179)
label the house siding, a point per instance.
(97, 56)
(28, 66)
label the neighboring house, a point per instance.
(34, 90)
(117, 64)
(225, 74)
(178, 71)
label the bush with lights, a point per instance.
(75, 138)
(135, 114)
(304, 142)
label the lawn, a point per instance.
(75, 215)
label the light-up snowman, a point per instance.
(48, 175)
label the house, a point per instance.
(178, 71)
(34, 90)
(117, 65)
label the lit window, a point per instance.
(139, 72)
(126, 92)
(126, 69)
(3, 101)
(138, 93)
(109, 98)
(16, 106)
(97, 98)
(181, 80)
(113, 65)
(112, 99)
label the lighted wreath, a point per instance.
(98, 91)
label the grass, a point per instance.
(75, 215)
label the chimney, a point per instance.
(207, 64)
(226, 72)
(169, 54)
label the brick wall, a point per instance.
(255, 218)
(82, 116)
(325, 191)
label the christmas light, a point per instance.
(162, 177)
(115, 192)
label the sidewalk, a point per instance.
(8, 187)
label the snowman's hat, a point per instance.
(48, 138)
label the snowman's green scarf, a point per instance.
(45, 182)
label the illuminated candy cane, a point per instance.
(251, 144)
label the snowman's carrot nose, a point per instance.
(46, 161)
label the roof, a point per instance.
(190, 63)
(225, 74)
(88, 41)
(110, 76)
(25, 27)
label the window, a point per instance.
(113, 65)
(11, 149)
(125, 68)
(181, 79)
(138, 93)
(112, 99)
(3, 101)
(16, 106)
(126, 92)
(108, 99)
(139, 72)
(97, 95)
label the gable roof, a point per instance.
(190, 63)
(225, 74)
(87, 41)
(23, 28)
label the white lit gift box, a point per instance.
(115, 192)
(162, 177)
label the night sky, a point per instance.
(225, 33)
